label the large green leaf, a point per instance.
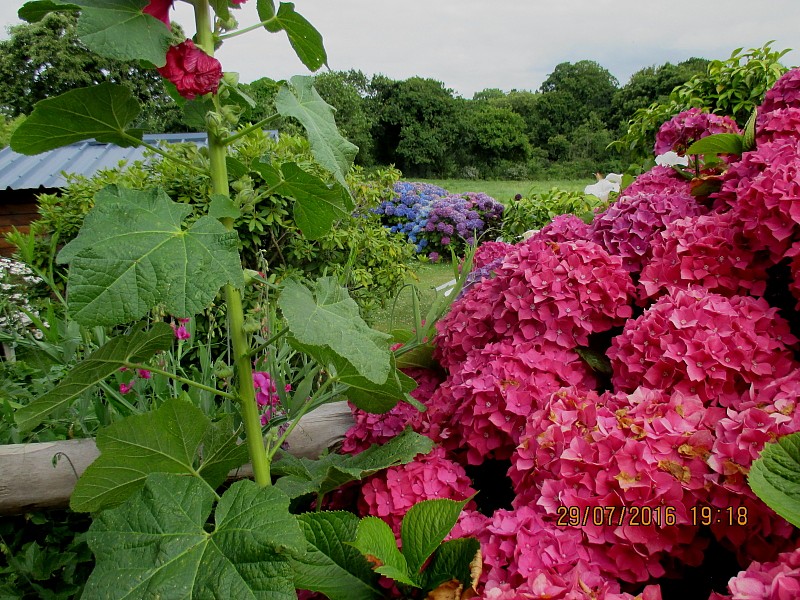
(316, 205)
(102, 112)
(35, 11)
(718, 143)
(452, 560)
(304, 38)
(302, 102)
(119, 29)
(375, 540)
(134, 253)
(424, 527)
(136, 347)
(156, 544)
(366, 395)
(324, 475)
(775, 477)
(331, 565)
(327, 317)
(167, 440)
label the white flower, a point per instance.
(529, 234)
(672, 159)
(602, 188)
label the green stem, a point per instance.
(166, 155)
(300, 414)
(233, 298)
(232, 138)
(178, 378)
(269, 342)
(233, 34)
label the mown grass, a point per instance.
(399, 314)
(502, 190)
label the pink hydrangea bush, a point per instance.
(684, 129)
(489, 252)
(563, 228)
(776, 580)
(707, 250)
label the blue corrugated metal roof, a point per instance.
(21, 172)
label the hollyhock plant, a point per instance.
(706, 250)
(159, 9)
(701, 343)
(193, 72)
(541, 292)
(685, 128)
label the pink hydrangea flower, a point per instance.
(784, 94)
(193, 72)
(683, 129)
(488, 252)
(776, 580)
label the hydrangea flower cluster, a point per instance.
(390, 493)
(685, 128)
(563, 228)
(488, 253)
(628, 226)
(702, 343)
(709, 250)
(436, 221)
(776, 580)
(542, 291)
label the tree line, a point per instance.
(562, 129)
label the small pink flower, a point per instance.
(180, 332)
(124, 388)
(144, 373)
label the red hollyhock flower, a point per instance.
(159, 9)
(191, 70)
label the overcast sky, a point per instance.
(506, 44)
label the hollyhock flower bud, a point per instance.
(191, 70)
(159, 9)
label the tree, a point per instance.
(45, 59)
(495, 134)
(592, 86)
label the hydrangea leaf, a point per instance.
(718, 143)
(454, 560)
(135, 347)
(326, 317)
(119, 29)
(302, 102)
(166, 440)
(156, 544)
(424, 527)
(331, 565)
(35, 11)
(102, 112)
(775, 477)
(304, 38)
(366, 395)
(375, 540)
(334, 470)
(316, 205)
(134, 253)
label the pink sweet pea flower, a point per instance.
(193, 72)
(124, 388)
(144, 373)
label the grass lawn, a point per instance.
(430, 277)
(505, 190)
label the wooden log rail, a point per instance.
(43, 475)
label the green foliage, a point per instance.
(494, 134)
(166, 440)
(136, 347)
(423, 529)
(302, 476)
(775, 477)
(44, 555)
(731, 87)
(305, 40)
(537, 210)
(160, 537)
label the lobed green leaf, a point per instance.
(102, 112)
(134, 253)
(35, 11)
(304, 38)
(156, 544)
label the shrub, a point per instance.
(534, 212)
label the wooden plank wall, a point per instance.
(17, 209)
